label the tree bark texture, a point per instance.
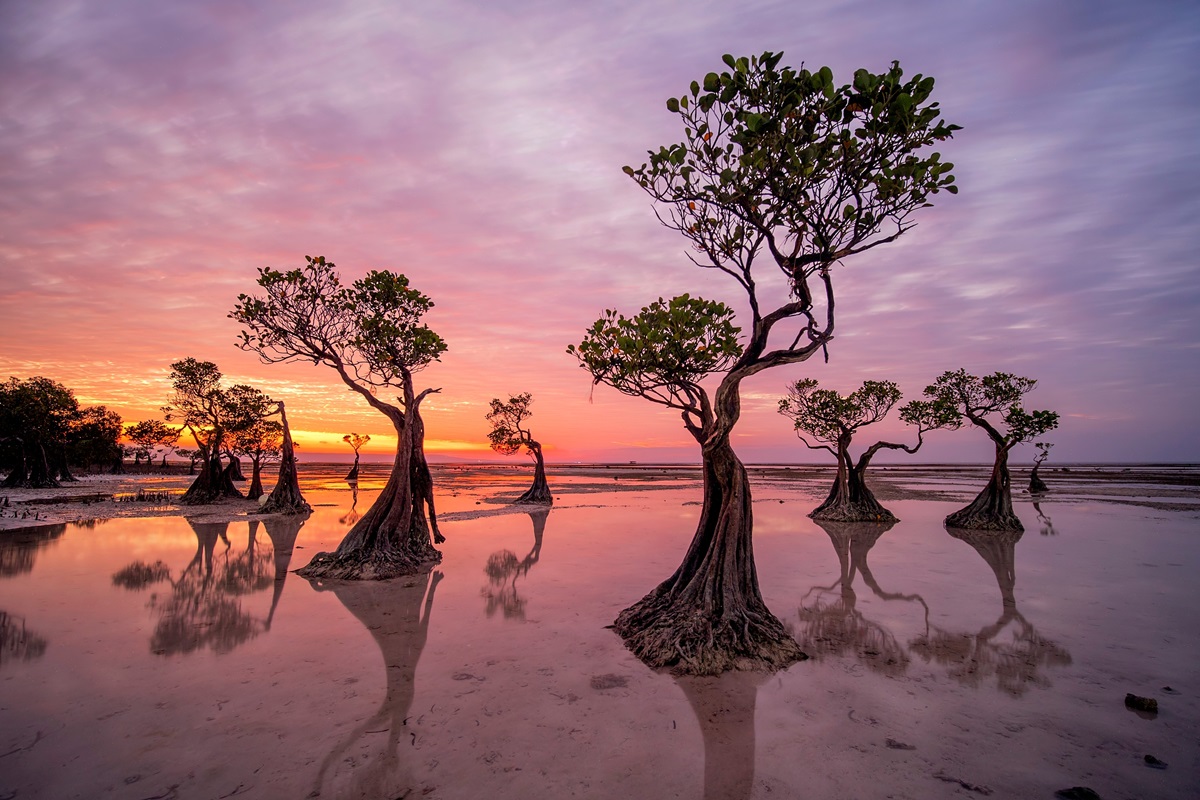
(992, 509)
(539, 492)
(285, 497)
(392, 538)
(213, 483)
(850, 500)
(709, 617)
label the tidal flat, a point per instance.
(177, 657)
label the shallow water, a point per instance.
(940, 667)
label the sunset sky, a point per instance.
(154, 155)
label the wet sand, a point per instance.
(940, 667)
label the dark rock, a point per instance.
(1151, 761)
(1138, 703)
(1077, 793)
(898, 745)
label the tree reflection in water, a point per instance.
(836, 627)
(974, 658)
(503, 568)
(203, 607)
(18, 551)
(351, 516)
(1046, 527)
(392, 612)
(724, 706)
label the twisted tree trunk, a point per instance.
(352, 475)
(285, 497)
(992, 509)
(1036, 484)
(256, 488)
(213, 483)
(850, 500)
(539, 492)
(392, 537)
(709, 616)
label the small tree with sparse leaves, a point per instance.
(510, 433)
(993, 403)
(833, 419)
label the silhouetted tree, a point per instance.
(285, 498)
(212, 414)
(833, 420)
(1036, 484)
(508, 436)
(371, 334)
(35, 417)
(975, 399)
(147, 437)
(262, 443)
(778, 165)
(193, 455)
(356, 442)
(93, 437)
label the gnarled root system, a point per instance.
(691, 641)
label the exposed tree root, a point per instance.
(537, 495)
(691, 641)
(375, 565)
(852, 512)
(970, 518)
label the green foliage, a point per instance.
(371, 331)
(828, 416)
(976, 398)
(507, 435)
(662, 351)
(788, 157)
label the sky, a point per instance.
(153, 156)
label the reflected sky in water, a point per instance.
(175, 656)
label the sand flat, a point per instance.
(941, 667)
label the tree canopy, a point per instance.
(36, 418)
(980, 400)
(148, 435)
(781, 165)
(372, 334)
(510, 433)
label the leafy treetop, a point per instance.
(508, 434)
(356, 441)
(370, 332)
(975, 399)
(789, 159)
(828, 416)
(662, 352)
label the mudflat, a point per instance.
(157, 651)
